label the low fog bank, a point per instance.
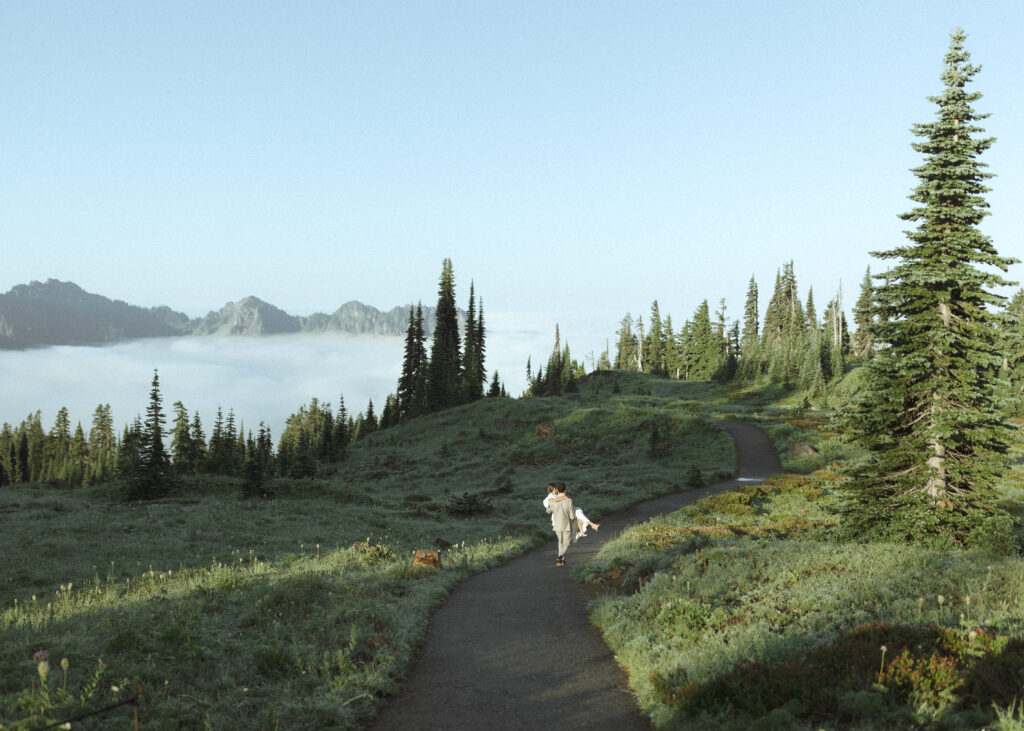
(261, 379)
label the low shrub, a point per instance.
(866, 673)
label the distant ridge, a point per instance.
(62, 313)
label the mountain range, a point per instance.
(62, 313)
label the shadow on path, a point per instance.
(512, 648)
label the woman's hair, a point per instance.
(552, 487)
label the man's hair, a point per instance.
(560, 486)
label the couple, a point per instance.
(566, 519)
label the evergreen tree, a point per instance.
(102, 446)
(369, 424)
(388, 417)
(928, 415)
(197, 457)
(181, 440)
(654, 344)
(78, 466)
(473, 376)
(341, 436)
(749, 339)
(443, 381)
(496, 387)
(152, 477)
(24, 467)
(1012, 347)
(480, 348)
(57, 451)
(704, 350)
(626, 346)
(672, 365)
(862, 320)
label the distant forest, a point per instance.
(148, 456)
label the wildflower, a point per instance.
(44, 668)
(64, 664)
(972, 635)
(942, 600)
(40, 655)
(115, 689)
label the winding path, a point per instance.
(512, 648)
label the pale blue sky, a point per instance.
(576, 159)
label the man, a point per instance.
(562, 514)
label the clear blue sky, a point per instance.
(576, 159)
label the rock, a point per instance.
(544, 430)
(426, 557)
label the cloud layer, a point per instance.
(261, 379)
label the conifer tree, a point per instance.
(654, 344)
(928, 415)
(197, 440)
(369, 424)
(443, 381)
(78, 466)
(862, 320)
(469, 370)
(626, 346)
(181, 440)
(672, 366)
(750, 337)
(495, 389)
(1012, 347)
(102, 446)
(152, 476)
(342, 435)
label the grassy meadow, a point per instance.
(743, 612)
(303, 609)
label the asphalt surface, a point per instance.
(512, 648)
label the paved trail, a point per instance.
(512, 648)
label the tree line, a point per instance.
(149, 456)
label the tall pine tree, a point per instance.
(443, 381)
(928, 416)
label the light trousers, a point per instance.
(564, 541)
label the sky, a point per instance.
(575, 160)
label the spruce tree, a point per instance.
(928, 416)
(469, 366)
(1012, 347)
(102, 446)
(654, 344)
(152, 474)
(749, 339)
(443, 381)
(411, 392)
(626, 346)
(197, 456)
(862, 319)
(181, 440)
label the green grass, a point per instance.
(742, 612)
(303, 610)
